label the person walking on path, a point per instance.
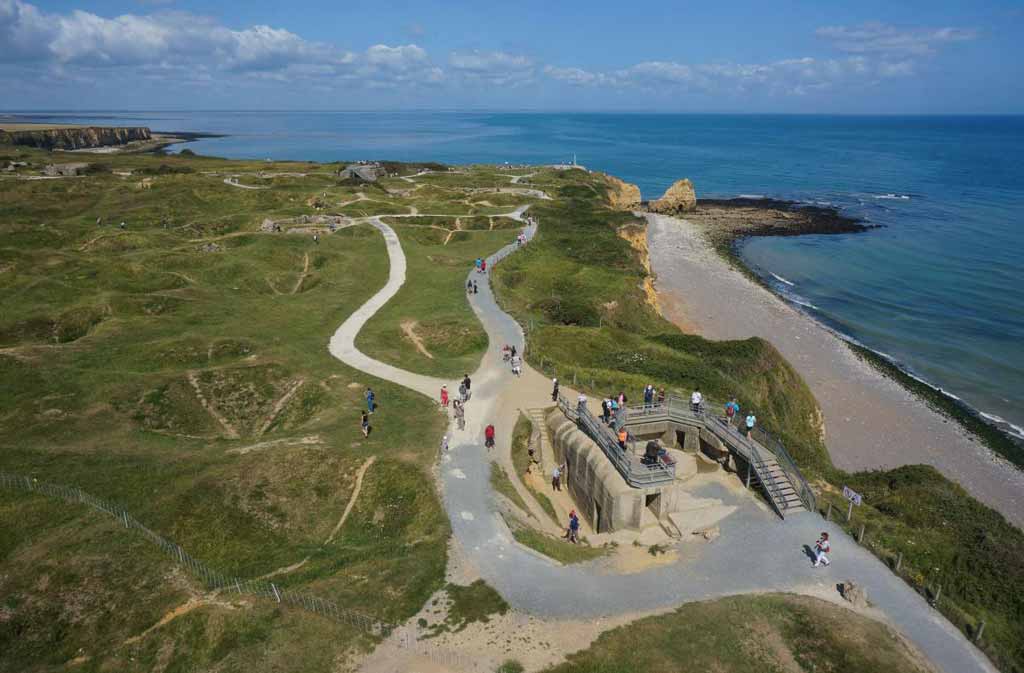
(477, 264)
(476, 290)
(517, 365)
(371, 400)
(444, 396)
(554, 390)
(469, 287)
(623, 436)
(574, 527)
(483, 266)
(556, 478)
(462, 393)
(821, 550)
(364, 423)
(489, 436)
(466, 382)
(732, 408)
(460, 414)
(750, 422)
(444, 444)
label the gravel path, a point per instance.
(870, 421)
(757, 551)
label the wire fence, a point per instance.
(213, 580)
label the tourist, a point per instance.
(613, 408)
(556, 478)
(466, 382)
(469, 287)
(513, 350)
(462, 393)
(489, 436)
(605, 409)
(751, 420)
(574, 528)
(316, 238)
(506, 353)
(623, 436)
(444, 444)
(364, 423)
(517, 365)
(475, 288)
(622, 399)
(732, 407)
(648, 397)
(696, 399)
(460, 414)
(477, 263)
(371, 400)
(554, 390)
(821, 549)
(483, 266)
(581, 403)
(444, 396)
(661, 396)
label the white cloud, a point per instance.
(495, 67)
(880, 38)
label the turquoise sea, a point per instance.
(939, 288)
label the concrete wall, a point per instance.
(600, 493)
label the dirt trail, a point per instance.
(352, 500)
(409, 329)
(302, 276)
(279, 406)
(188, 606)
(232, 433)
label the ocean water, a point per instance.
(939, 288)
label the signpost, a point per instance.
(854, 498)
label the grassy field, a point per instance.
(501, 483)
(579, 287)
(179, 367)
(773, 632)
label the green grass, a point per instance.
(106, 330)
(501, 483)
(774, 632)
(558, 549)
(468, 604)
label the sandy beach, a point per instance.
(870, 420)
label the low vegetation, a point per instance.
(501, 483)
(749, 633)
(467, 604)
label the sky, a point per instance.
(868, 57)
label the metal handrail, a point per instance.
(636, 473)
(749, 447)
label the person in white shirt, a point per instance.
(581, 402)
(695, 401)
(821, 549)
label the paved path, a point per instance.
(758, 552)
(235, 183)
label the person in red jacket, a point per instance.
(489, 436)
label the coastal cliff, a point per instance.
(75, 138)
(636, 234)
(622, 195)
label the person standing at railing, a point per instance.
(751, 420)
(468, 384)
(623, 436)
(696, 399)
(661, 396)
(554, 390)
(648, 397)
(605, 409)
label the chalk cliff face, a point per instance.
(622, 195)
(679, 198)
(73, 139)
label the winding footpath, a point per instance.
(757, 553)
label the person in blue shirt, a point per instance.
(371, 400)
(732, 409)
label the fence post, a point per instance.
(860, 536)
(899, 561)
(125, 517)
(938, 593)
(828, 514)
(849, 512)
(276, 594)
(748, 472)
(981, 630)
(574, 377)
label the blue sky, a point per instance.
(646, 55)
